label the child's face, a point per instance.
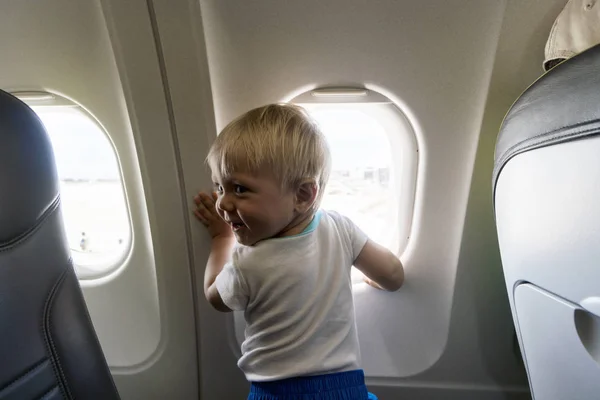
(255, 206)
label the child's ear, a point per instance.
(306, 194)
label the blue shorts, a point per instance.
(339, 386)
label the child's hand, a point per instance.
(372, 283)
(206, 212)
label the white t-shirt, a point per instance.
(296, 294)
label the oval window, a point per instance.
(374, 162)
(93, 201)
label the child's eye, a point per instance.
(218, 188)
(239, 189)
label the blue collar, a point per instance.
(310, 227)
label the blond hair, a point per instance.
(279, 138)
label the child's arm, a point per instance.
(382, 268)
(220, 249)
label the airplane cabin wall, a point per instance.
(436, 67)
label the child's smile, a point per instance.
(236, 226)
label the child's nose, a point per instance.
(226, 204)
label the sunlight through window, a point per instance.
(93, 202)
(360, 183)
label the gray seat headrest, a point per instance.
(559, 107)
(28, 181)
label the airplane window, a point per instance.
(93, 201)
(360, 185)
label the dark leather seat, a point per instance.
(547, 204)
(48, 347)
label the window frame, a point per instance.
(46, 100)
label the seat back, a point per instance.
(547, 204)
(48, 347)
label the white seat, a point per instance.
(547, 204)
